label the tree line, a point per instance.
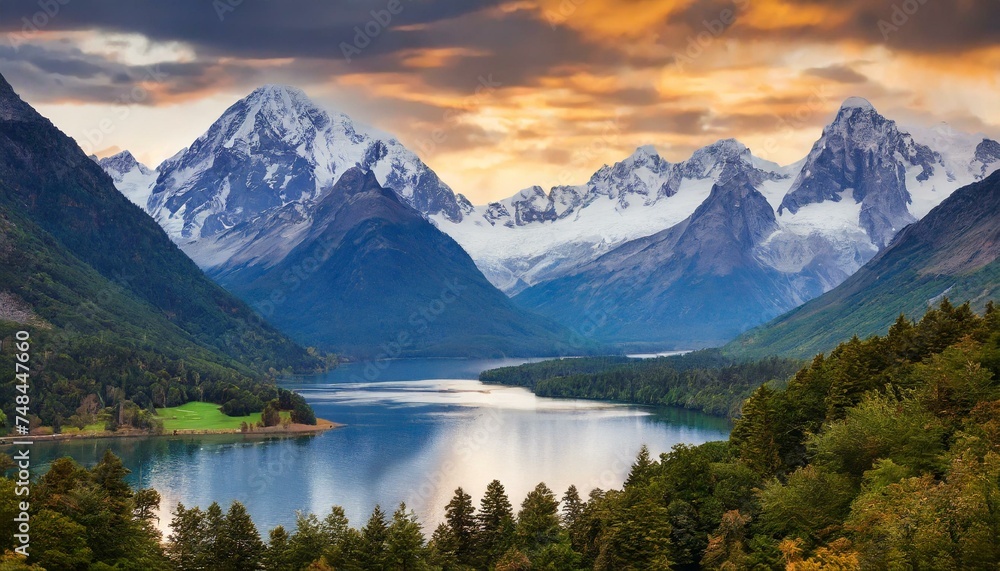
(703, 380)
(80, 380)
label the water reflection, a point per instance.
(414, 433)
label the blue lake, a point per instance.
(415, 430)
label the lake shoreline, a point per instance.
(292, 430)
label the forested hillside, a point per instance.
(884, 454)
(704, 380)
(118, 316)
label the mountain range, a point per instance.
(288, 206)
(766, 239)
(680, 254)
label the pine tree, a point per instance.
(110, 475)
(572, 507)
(342, 539)
(538, 520)
(572, 516)
(308, 542)
(496, 523)
(215, 525)
(461, 518)
(642, 469)
(404, 541)
(442, 548)
(374, 535)
(278, 553)
(186, 542)
(240, 547)
(753, 433)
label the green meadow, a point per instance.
(202, 416)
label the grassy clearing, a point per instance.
(201, 416)
(90, 428)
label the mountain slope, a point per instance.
(370, 276)
(535, 236)
(864, 179)
(951, 252)
(696, 284)
(273, 148)
(134, 179)
(65, 218)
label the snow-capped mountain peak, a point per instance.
(534, 235)
(857, 103)
(895, 174)
(868, 155)
(275, 147)
(132, 178)
(649, 150)
(122, 163)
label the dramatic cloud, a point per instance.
(498, 95)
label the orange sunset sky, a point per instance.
(499, 95)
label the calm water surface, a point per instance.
(415, 431)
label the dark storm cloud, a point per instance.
(921, 26)
(925, 26)
(516, 48)
(507, 48)
(258, 29)
(70, 63)
(53, 71)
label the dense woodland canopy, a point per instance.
(704, 380)
(79, 380)
(884, 454)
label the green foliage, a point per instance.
(951, 251)
(703, 380)
(495, 522)
(117, 314)
(270, 416)
(92, 519)
(538, 520)
(881, 455)
(404, 541)
(374, 536)
(462, 527)
(811, 504)
(881, 427)
(240, 547)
